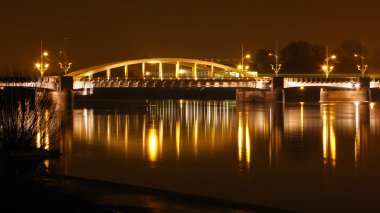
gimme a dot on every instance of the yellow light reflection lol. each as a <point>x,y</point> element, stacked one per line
<point>301,103</point>
<point>178,137</point>
<point>38,140</point>
<point>325,138</point>
<point>195,131</point>
<point>108,130</point>
<point>47,164</point>
<point>126,133</point>
<point>329,138</point>
<point>153,144</point>
<point>332,142</point>
<point>372,105</point>
<point>47,141</point>
<point>247,144</point>
<point>357,134</point>
<point>240,137</point>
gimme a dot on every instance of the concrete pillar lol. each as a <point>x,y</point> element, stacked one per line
<point>108,74</point>
<point>143,69</point>
<point>211,74</point>
<point>277,83</point>
<point>64,97</point>
<point>365,87</point>
<point>160,71</point>
<point>364,82</point>
<point>126,71</point>
<point>277,89</point>
<point>195,71</point>
<point>177,70</point>
<point>66,83</point>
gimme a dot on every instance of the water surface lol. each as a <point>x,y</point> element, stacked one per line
<point>305,157</point>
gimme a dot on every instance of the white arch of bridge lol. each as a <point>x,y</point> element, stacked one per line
<point>194,63</point>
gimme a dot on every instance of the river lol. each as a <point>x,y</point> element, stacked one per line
<point>296,156</point>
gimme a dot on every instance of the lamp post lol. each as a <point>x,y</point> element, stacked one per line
<point>242,66</point>
<point>42,66</point>
<point>326,67</point>
<point>276,68</point>
<point>65,66</point>
<point>363,67</point>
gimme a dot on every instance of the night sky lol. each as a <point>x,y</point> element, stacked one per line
<point>106,31</point>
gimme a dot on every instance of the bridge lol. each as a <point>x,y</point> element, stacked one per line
<point>193,73</point>
<point>163,68</point>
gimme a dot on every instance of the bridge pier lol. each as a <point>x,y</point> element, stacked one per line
<point>275,94</point>
<point>360,94</point>
<point>64,96</point>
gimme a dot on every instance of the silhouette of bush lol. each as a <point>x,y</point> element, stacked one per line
<point>28,119</point>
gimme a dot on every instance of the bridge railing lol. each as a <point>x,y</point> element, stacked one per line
<point>233,83</point>
<point>44,85</point>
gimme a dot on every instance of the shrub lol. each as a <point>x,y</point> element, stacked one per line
<point>28,119</point>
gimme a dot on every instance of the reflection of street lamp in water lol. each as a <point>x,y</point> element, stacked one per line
<point>326,68</point>
<point>42,66</point>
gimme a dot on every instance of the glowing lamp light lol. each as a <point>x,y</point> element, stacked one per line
<point>372,105</point>
<point>181,71</point>
<point>333,57</point>
<point>45,53</point>
<point>38,65</point>
<point>240,67</point>
<point>248,56</point>
<point>324,67</point>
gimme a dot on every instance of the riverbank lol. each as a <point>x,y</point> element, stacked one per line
<point>58,193</point>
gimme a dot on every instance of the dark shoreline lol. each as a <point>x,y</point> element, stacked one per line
<point>48,192</point>
<point>127,198</point>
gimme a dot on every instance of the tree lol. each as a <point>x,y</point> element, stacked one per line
<point>346,62</point>
<point>374,61</point>
<point>262,61</point>
<point>302,57</point>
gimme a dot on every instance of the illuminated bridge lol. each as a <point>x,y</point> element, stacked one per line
<point>161,68</point>
<point>185,73</point>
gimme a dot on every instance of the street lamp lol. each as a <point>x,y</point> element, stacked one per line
<point>326,68</point>
<point>242,66</point>
<point>276,68</point>
<point>42,66</point>
<point>65,66</point>
<point>363,67</point>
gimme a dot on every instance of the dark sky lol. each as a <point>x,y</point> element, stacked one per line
<point>112,30</point>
